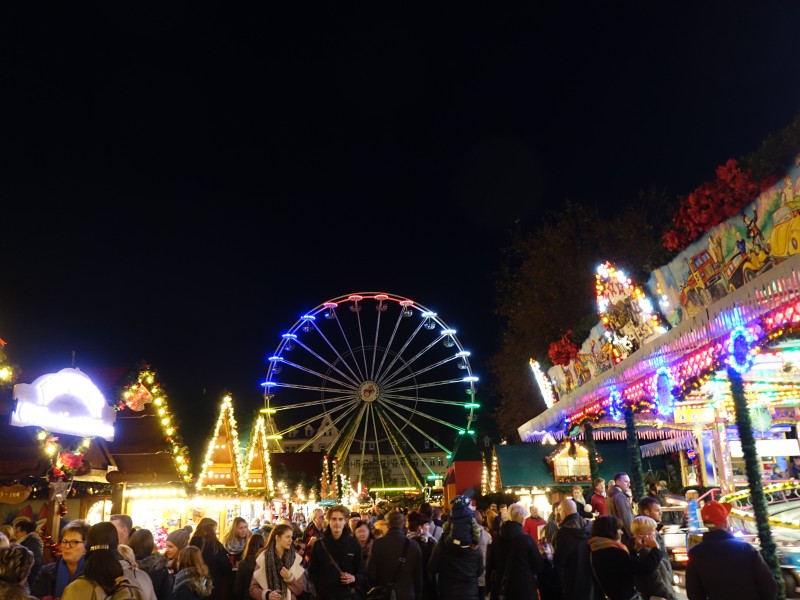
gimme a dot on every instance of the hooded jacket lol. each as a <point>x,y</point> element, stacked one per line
<point>9,591</point>
<point>155,565</point>
<point>516,553</point>
<point>190,585</point>
<point>456,570</point>
<point>571,558</point>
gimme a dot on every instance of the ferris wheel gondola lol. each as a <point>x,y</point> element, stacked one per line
<point>378,381</point>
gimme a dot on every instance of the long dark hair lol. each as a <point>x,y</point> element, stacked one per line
<point>606,526</point>
<point>255,543</point>
<point>142,543</point>
<point>101,564</point>
<point>206,531</point>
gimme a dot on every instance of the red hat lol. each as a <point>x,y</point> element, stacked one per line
<point>716,513</point>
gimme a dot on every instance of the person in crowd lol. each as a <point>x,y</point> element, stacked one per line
<point>192,581</point>
<point>502,517</point>
<point>483,547</point>
<point>419,530</point>
<point>532,524</point>
<point>215,558</point>
<point>618,504</point>
<point>16,562</point>
<point>659,582</point>
<point>335,566</point>
<point>598,497</point>
<point>489,518</point>
<point>380,528</point>
<point>514,560</point>
<point>456,571</point>
<point>8,531</point>
<point>25,534</point>
<point>54,577</point>
<point>244,572</point>
<point>551,526</point>
<point>317,525</point>
<point>4,541</point>
<point>571,554</point>
<point>236,538</point>
<point>124,525</point>
<point>105,572</point>
<point>384,566</point>
<point>722,566</point>
<point>354,518</point>
<point>278,568</point>
<point>583,506</point>
<point>364,538</point>
<point>777,473</point>
<point>613,564</point>
<point>435,516</point>
<point>461,529</point>
<point>177,540</point>
<point>650,507</point>
<point>794,468</point>
<point>151,562</point>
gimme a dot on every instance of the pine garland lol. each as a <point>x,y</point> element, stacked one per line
<point>751,460</point>
<point>637,474</point>
<point>588,439</point>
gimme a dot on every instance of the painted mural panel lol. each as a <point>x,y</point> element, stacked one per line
<point>732,253</point>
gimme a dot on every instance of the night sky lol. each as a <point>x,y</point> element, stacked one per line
<point>181,184</point>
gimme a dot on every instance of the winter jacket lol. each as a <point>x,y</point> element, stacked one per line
<point>244,575</point>
<point>722,567</point>
<point>219,567</point>
<point>531,526</point>
<point>155,565</point>
<point>34,543</point>
<point>259,582</point>
<point>456,571</point>
<point>614,570</point>
<point>138,579</point>
<point>10,591</point>
<point>45,583</point>
<point>571,559</point>
<point>191,585</point>
<point>517,553</point>
<point>619,504</point>
<point>382,567</point>
<point>346,552</point>
<point>428,581</point>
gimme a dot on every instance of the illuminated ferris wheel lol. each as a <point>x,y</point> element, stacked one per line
<point>374,380</point>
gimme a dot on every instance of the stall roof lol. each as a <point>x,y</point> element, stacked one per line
<point>749,302</point>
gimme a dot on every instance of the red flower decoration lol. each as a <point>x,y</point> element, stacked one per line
<point>563,351</point>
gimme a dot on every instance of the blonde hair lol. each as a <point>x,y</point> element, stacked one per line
<point>642,525</point>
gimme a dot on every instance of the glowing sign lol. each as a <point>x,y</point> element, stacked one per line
<point>64,402</point>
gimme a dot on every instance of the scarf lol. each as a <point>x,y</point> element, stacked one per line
<point>273,564</point>
<point>602,543</point>
<point>235,545</point>
<point>62,575</point>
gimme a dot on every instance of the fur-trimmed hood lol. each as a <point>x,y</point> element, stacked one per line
<point>152,563</point>
<point>194,580</point>
<point>14,592</point>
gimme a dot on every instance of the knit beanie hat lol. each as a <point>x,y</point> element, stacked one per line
<point>180,537</point>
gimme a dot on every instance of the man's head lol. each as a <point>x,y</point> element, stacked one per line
<point>337,519</point>
<point>318,518</point>
<point>796,460</point>
<point>566,508</point>
<point>623,482</point>
<point>124,524</point>
<point>397,520</point>
<point>715,514</point>
<point>23,528</point>
<point>354,518</point>
<point>517,512</point>
<point>599,486</point>
<point>650,507</point>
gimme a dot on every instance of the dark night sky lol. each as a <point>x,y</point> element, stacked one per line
<point>180,184</point>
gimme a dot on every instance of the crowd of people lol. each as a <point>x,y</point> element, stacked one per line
<point>595,547</point>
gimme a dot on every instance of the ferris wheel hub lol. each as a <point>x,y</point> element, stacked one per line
<point>369,391</point>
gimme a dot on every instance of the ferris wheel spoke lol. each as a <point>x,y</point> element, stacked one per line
<point>341,448</point>
<point>310,420</point>
<point>410,445</point>
<point>353,380</point>
<point>331,400</point>
<point>377,442</point>
<point>388,345</point>
<point>422,399</point>
<point>350,348</point>
<point>426,385</point>
<point>407,376</point>
<point>407,363</point>
<point>322,430</point>
<point>422,414</point>
<point>363,347</point>
<point>311,388</point>
<point>408,422</point>
<point>338,354</point>
<point>375,342</point>
<point>365,423</point>
<point>402,457</point>
<point>399,353</point>
<point>316,373</point>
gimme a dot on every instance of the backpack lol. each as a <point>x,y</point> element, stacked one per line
<point>124,591</point>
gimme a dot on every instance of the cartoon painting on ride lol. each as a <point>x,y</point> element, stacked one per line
<point>732,253</point>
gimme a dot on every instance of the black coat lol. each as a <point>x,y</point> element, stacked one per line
<point>244,573</point>
<point>33,543</point>
<point>346,552</point>
<point>428,582</point>
<point>723,567</point>
<point>571,558</point>
<point>155,565</point>
<point>515,551</point>
<point>219,567</point>
<point>456,570</point>
<point>615,569</point>
<point>384,560</point>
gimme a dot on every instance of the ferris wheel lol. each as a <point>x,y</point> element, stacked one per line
<point>377,382</point>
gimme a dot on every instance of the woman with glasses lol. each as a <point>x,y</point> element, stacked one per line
<point>54,577</point>
<point>613,564</point>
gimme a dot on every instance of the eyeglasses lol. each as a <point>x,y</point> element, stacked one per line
<point>70,543</point>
